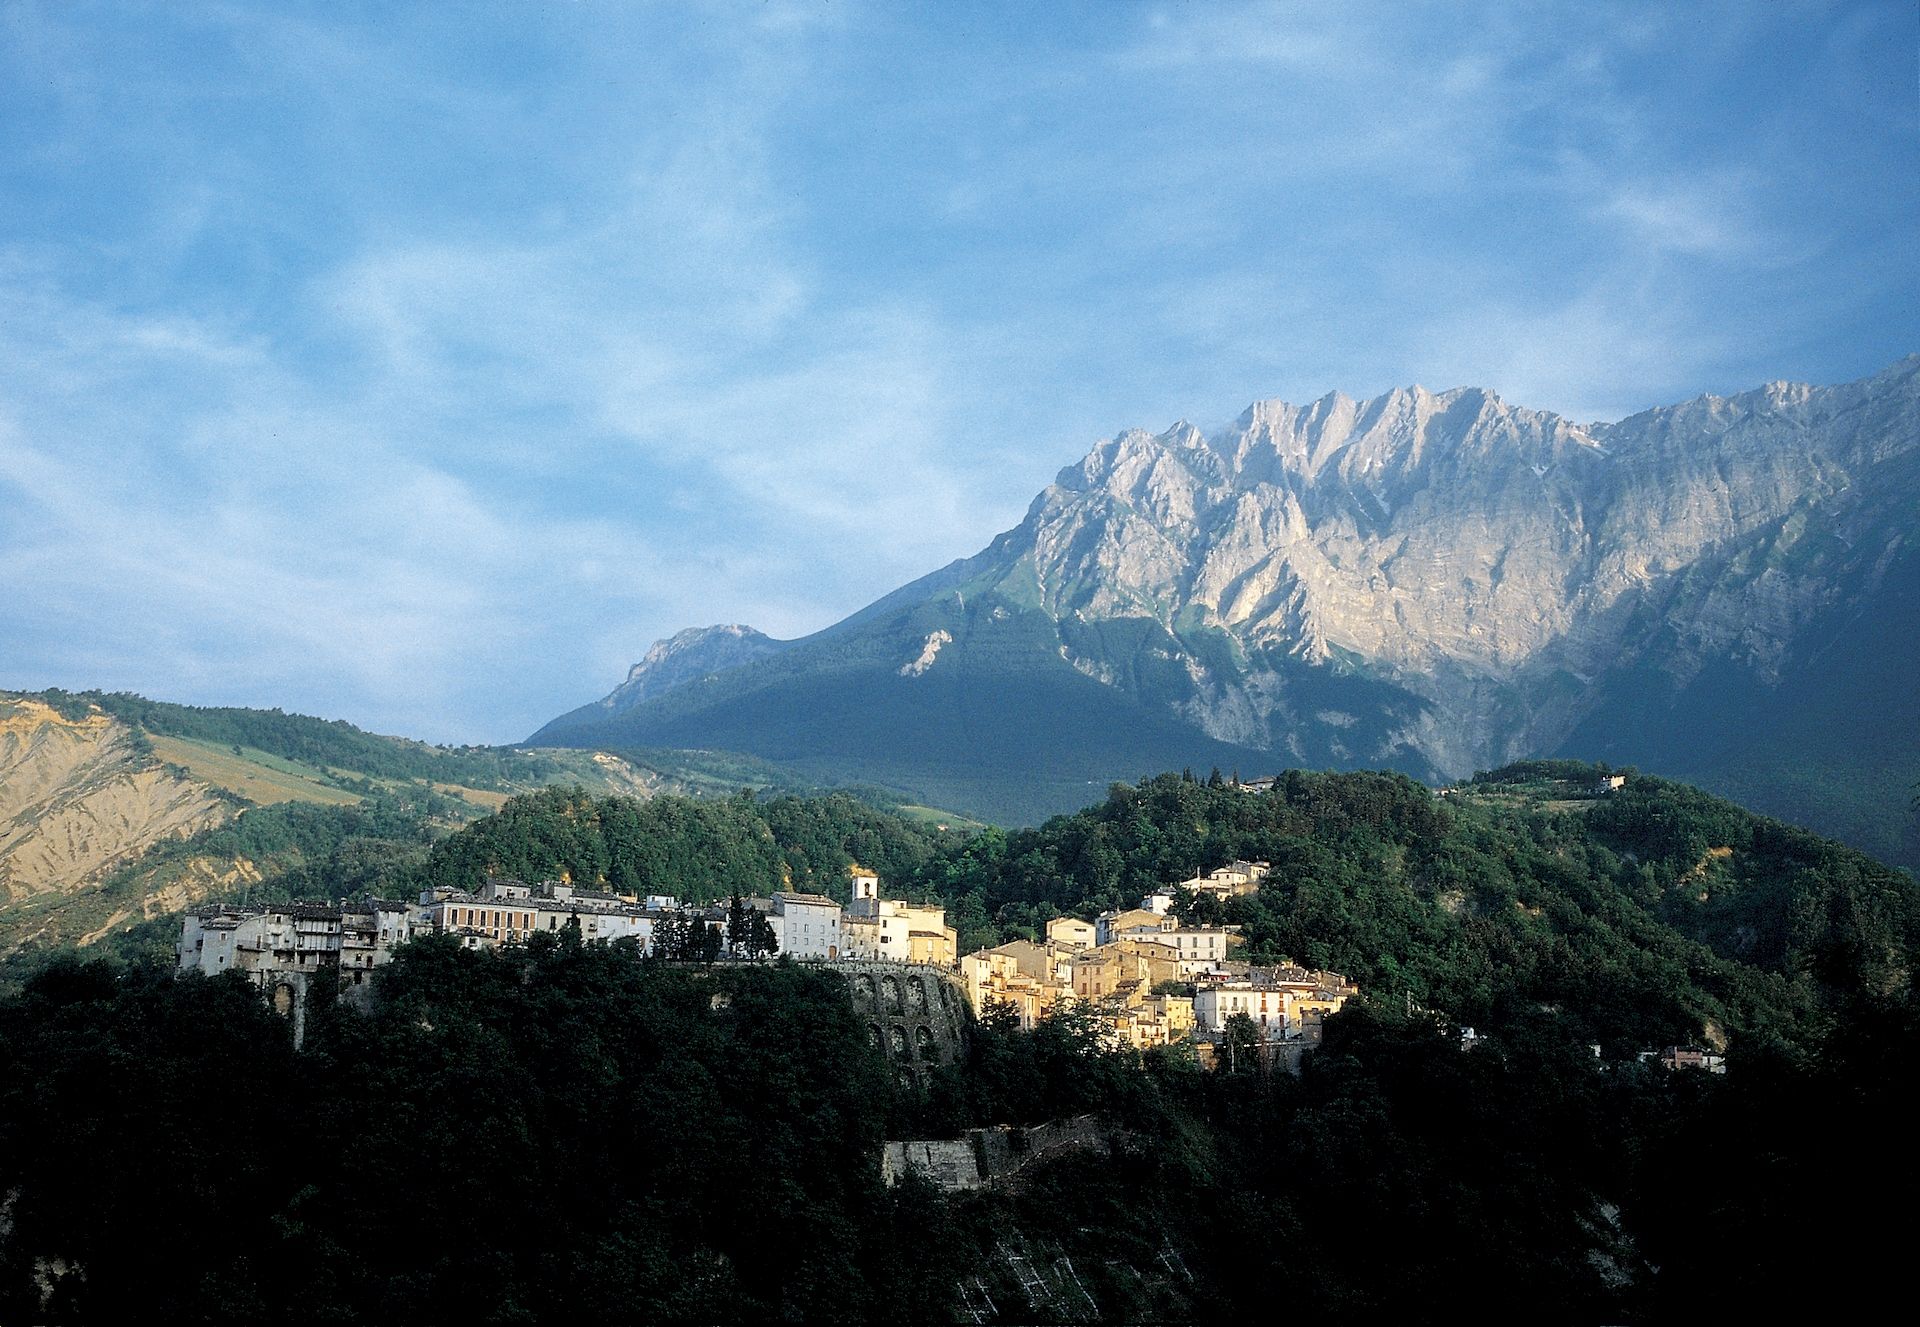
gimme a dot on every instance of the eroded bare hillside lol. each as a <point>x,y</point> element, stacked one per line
<point>102,797</point>
<point>81,796</point>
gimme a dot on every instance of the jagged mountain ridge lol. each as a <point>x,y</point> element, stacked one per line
<point>1436,582</point>
<point>1460,547</point>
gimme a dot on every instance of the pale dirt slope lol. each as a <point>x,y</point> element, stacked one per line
<point>83,798</point>
<point>78,798</point>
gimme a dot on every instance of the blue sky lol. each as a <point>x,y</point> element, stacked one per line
<point>420,365</point>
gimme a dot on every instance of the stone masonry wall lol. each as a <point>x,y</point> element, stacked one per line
<point>915,1013</point>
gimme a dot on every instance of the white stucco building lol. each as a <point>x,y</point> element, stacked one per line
<point>1284,1002</point>
<point>806,925</point>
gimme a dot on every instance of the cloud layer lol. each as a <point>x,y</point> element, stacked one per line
<point>422,370</point>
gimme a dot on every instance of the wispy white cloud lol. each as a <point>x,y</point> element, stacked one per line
<point>356,529</point>
<point>1273,35</point>
<point>425,371</point>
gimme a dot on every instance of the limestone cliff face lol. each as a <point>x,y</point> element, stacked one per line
<point>78,798</point>
<point>1434,583</point>
<point>1490,559</point>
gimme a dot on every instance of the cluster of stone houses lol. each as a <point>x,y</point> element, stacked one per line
<point>276,941</point>
<point>1229,881</point>
<point>264,940</point>
<point>1156,981</point>
<point>1152,979</point>
<point>281,947</point>
<point>295,939</point>
<point>868,927</point>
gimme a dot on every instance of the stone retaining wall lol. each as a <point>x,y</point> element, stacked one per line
<point>915,1014</point>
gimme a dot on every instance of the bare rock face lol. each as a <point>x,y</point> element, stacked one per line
<point>688,656</point>
<point>1490,559</point>
<point>1432,583</point>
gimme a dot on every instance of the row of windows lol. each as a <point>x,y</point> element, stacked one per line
<point>511,922</point>
<point>479,917</point>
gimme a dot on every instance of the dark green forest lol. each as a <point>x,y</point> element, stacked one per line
<point>574,1133</point>
<point>1658,914</point>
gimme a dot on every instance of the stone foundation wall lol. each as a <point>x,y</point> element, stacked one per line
<point>915,1014</point>
<point>984,1156</point>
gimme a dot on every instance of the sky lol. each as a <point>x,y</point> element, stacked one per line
<point>420,365</point>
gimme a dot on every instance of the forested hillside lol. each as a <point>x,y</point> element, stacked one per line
<point>695,849</point>
<point>1651,915</point>
<point>575,1134</point>
<point>1657,911</point>
<point>566,1132</point>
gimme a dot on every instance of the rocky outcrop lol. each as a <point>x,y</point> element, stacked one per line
<point>1490,559</point>
<point>685,657</point>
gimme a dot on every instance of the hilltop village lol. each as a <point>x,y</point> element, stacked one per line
<point>1146,976</point>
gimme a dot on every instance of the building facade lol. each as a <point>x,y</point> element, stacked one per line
<point>1285,1003</point>
<point>1229,881</point>
<point>1071,933</point>
<point>806,925</point>
<point>504,911</point>
<point>893,930</point>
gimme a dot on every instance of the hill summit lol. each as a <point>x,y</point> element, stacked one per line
<point>1429,582</point>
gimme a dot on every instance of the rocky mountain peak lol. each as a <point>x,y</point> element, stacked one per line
<point>1435,581</point>
<point>1453,541</point>
<point>687,656</point>
<point>689,640</point>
